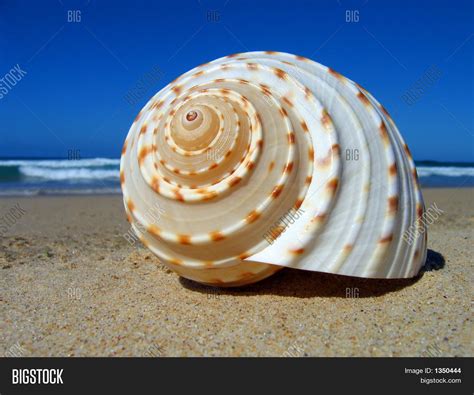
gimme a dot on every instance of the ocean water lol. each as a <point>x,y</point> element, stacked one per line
<point>101,176</point>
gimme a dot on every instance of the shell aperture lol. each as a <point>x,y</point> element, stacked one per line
<point>263,160</point>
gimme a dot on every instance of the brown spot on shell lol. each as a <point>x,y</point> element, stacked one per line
<point>178,195</point>
<point>184,239</point>
<point>177,89</point>
<point>288,101</point>
<point>326,119</point>
<point>308,180</point>
<point>384,110</point>
<point>348,248</point>
<point>333,184</point>
<point>154,230</point>
<point>291,138</point>
<point>307,92</point>
<point>320,218</point>
<point>157,104</point>
<point>143,154</point>
<point>419,211</point>
<point>335,74</point>
<point>124,148</point>
<point>298,203</point>
<point>155,184</point>
<point>130,205</point>
<point>250,165</point>
<point>363,99</point>
<point>265,89</point>
<point>415,175</point>
<point>271,52</point>
<point>271,166</point>
<point>252,66</point>
<point>297,251</point>
<point>213,166</point>
<point>244,255</point>
<point>143,128</point>
<point>392,170</point>
<point>283,112</point>
<point>280,73</point>
<point>277,191</point>
<point>386,239</point>
<point>260,144</point>
<point>393,204</point>
<point>288,167</point>
<point>234,181</point>
<point>175,261</point>
<point>383,132</point>
<point>138,117</point>
<point>407,151</point>
<point>122,177</point>
<point>311,154</point>
<point>198,73</point>
<point>216,236</point>
<point>304,126</point>
<point>252,216</point>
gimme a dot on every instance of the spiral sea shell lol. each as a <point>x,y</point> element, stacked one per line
<point>262,160</point>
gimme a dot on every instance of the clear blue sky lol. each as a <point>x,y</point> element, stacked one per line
<point>72,96</point>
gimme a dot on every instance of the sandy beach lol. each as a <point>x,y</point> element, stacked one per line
<point>71,285</point>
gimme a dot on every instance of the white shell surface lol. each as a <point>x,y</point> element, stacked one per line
<point>264,160</point>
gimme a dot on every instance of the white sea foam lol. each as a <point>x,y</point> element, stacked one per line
<point>52,191</point>
<point>445,171</point>
<point>108,169</point>
<point>59,174</point>
<point>62,163</point>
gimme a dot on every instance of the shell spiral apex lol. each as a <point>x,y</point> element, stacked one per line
<point>263,160</point>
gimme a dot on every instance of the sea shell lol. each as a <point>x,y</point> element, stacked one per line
<point>263,160</point>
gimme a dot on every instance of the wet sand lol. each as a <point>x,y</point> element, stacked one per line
<point>71,285</point>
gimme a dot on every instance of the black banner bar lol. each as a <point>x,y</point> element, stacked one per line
<point>217,375</point>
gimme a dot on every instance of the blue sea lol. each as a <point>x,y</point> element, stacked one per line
<point>101,176</point>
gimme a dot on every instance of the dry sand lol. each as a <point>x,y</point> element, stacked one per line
<point>71,285</point>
